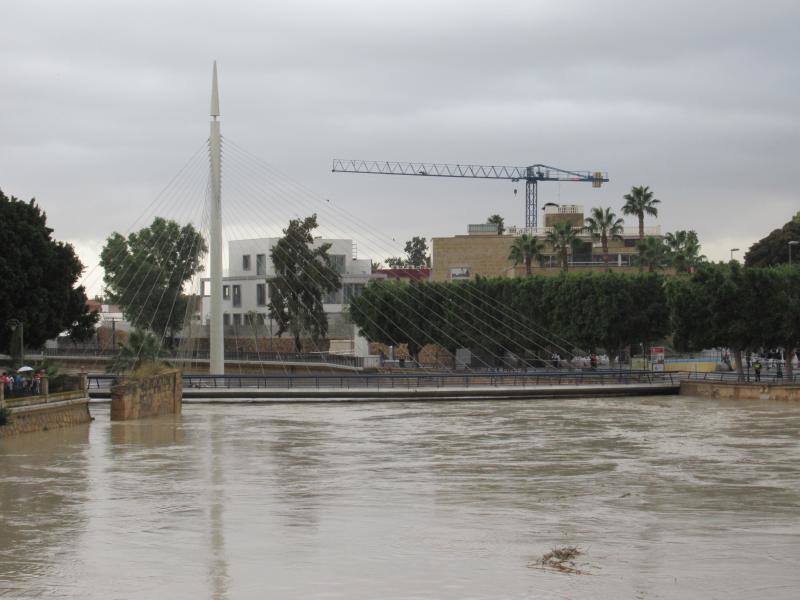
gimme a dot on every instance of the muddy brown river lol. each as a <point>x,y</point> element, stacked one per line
<point>667,497</point>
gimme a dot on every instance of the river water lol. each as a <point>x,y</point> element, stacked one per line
<point>668,497</point>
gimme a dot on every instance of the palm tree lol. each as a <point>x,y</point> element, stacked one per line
<point>141,348</point>
<point>639,202</point>
<point>563,237</point>
<point>604,224</point>
<point>652,254</point>
<point>525,249</point>
<point>499,221</point>
<point>684,250</point>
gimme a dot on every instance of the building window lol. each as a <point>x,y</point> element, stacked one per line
<point>332,297</point>
<point>631,242</point>
<point>261,294</point>
<point>237,319</point>
<point>226,319</point>
<point>245,262</point>
<point>261,264</point>
<point>338,262</point>
<point>459,272</point>
<point>237,295</point>
<point>261,318</point>
<point>351,290</point>
<point>226,292</point>
<point>205,288</point>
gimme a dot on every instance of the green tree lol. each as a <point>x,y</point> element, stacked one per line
<point>639,202</point>
<point>142,348</point>
<point>303,275</point>
<point>683,250</point>
<point>652,254</point>
<point>563,238</point>
<point>395,262</point>
<point>715,308</point>
<point>417,251</point>
<point>37,279</point>
<point>603,224</point>
<point>499,221</point>
<point>774,248</point>
<point>145,273</point>
<point>525,249</point>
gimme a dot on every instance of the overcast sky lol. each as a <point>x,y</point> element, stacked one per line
<point>102,102</point>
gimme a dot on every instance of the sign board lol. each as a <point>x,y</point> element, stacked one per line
<point>657,358</point>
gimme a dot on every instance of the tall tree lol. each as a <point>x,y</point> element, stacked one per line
<point>525,249</point>
<point>652,254</point>
<point>563,238</point>
<point>145,274</point>
<point>603,224</point>
<point>683,249</point>
<point>417,251</point>
<point>303,274</point>
<point>774,248</point>
<point>37,278</point>
<point>639,202</point>
<point>499,221</point>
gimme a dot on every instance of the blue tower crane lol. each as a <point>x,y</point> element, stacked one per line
<point>531,175</point>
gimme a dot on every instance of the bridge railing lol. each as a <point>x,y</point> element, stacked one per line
<point>342,360</point>
<point>411,380</point>
<point>767,376</point>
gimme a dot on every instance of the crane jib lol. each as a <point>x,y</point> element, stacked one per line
<point>530,174</point>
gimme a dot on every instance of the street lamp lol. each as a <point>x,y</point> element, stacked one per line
<point>13,324</point>
<point>792,243</point>
<point>732,251</point>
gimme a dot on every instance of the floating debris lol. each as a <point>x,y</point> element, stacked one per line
<point>561,559</point>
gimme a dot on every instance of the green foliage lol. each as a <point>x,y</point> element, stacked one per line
<point>37,278</point>
<point>603,225</point>
<point>774,248</point>
<point>145,273</point>
<point>563,238</point>
<point>524,250</point>
<point>303,275</point>
<point>417,252</point>
<point>592,310</point>
<point>683,249</point>
<point>499,221</point>
<point>653,254</point>
<point>395,262</point>
<point>142,348</point>
<point>641,201</point>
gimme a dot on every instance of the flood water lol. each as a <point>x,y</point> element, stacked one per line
<point>668,497</point>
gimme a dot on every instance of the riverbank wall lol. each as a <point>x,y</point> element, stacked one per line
<point>740,391</point>
<point>151,396</point>
<point>42,413</point>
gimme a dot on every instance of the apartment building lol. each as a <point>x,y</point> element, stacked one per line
<point>483,252</point>
<point>245,287</point>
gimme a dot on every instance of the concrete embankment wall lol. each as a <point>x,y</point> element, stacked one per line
<point>740,391</point>
<point>147,397</point>
<point>37,414</point>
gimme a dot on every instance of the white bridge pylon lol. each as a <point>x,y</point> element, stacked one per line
<point>216,333</point>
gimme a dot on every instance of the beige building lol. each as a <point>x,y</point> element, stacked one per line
<point>483,252</point>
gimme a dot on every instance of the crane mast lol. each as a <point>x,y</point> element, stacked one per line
<point>531,175</point>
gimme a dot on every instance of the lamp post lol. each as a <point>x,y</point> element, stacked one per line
<point>13,324</point>
<point>792,243</point>
<point>732,251</point>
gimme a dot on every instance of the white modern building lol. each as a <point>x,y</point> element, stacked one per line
<point>245,287</point>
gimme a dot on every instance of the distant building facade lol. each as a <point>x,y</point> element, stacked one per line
<point>483,252</point>
<point>245,287</point>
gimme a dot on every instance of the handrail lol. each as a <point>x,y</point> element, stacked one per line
<point>413,379</point>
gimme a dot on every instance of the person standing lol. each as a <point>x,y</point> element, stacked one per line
<point>757,368</point>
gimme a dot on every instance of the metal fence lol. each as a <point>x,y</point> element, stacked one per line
<point>412,380</point>
<point>342,360</point>
<point>767,376</point>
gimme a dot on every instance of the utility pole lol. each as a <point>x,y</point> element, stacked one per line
<point>216,333</point>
